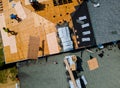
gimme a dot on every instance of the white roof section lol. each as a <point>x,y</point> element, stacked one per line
<point>66,41</point>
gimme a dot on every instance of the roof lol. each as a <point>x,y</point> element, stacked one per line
<point>105,21</point>
<point>45,75</point>
<point>32,39</point>
<point>106,75</point>
<point>83,27</point>
<point>48,75</point>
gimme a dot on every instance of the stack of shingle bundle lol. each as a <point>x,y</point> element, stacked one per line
<point>1,6</point>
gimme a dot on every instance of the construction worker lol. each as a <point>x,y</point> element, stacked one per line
<point>13,16</point>
<point>8,31</point>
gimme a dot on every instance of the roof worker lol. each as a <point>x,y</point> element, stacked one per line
<point>13,16</point>
<point>9,31</point>
<point>6,30</point>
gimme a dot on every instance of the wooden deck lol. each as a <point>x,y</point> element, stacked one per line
<point>31,40</point>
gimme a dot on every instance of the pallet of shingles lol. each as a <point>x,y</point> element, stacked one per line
<point>0,2</point>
